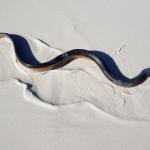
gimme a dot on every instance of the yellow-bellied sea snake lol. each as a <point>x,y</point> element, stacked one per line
<point>71,55</point>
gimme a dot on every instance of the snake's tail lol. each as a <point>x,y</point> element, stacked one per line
<point>2,35</point>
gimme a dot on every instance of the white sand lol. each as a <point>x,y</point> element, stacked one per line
<point>75,107</point>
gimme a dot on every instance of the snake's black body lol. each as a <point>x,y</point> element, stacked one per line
<point>71,55</point>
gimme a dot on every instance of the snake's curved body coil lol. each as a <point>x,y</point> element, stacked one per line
<point>71,55</point>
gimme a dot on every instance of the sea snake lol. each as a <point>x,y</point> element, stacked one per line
<point>71,55</point>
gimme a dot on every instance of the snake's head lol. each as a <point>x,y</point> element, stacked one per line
<point>147,71</point>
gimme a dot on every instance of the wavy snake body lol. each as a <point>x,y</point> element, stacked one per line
<point>71,55</point>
